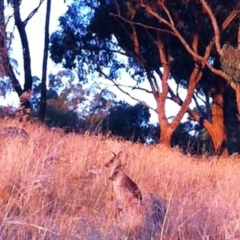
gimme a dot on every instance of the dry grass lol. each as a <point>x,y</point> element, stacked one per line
<point>54,186</point>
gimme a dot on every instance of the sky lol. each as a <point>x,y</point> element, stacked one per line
<point>35,33</point>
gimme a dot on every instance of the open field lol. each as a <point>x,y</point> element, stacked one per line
<point>54,186</point>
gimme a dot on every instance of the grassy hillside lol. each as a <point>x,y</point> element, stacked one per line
<point>54,186</point>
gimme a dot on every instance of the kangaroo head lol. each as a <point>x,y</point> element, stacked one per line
<point>114,162</point>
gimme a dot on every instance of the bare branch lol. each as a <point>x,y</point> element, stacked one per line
<point>199,107</point>
<point>177,34</point>
<point>202,60</point>
<point>118,51</point>
<point>8,19</point>
<point>11,37</point>
<point>167,12</point>
<point>141,89</point>
<point>135,88</point>
<point>125,92</point>
<point>153,87</point>
<point>129,95</point>
<point>33,13</point>
<point>141,24</point>
<point>198,96</point>
<point>229,19</point>
<point>215,26</point>
<point>155,80</point>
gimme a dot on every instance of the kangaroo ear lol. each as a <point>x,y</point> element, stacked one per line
<point>114,154</point>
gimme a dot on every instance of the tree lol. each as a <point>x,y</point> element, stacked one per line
<point>25,93</point>
<point>185,38</point>
<point>21,26</point>
<point>5,65</point>
<point>44,67</point>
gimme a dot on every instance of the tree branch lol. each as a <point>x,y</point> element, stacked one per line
<point>193,81</point>
<point>141,89</point>
<point>203,114</point>
<point>126,93</point>
<point>129,95</point>
<point>134,88</point>
<point>197,95</point>
<point>141,24</point>
<point>154,91</point>
<point>192,113</point>
<point>8,19</point>
<point>175,32</point>
<point>215,26</point>
<point>33,12</point>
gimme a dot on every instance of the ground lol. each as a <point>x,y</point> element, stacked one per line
<point>55,186</point>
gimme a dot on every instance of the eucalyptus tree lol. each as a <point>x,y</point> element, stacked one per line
<point>161,40</point>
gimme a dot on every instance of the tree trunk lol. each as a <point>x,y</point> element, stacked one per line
<point>166,134</point>
<point>44,67</point>
<point>231,120</point>
<point>166,129</point>
<point>5,66</point>
<point>25,108</point>
<point>237,91</point>
<point>3,43</point>
<point>25,46</point>
<point>217,130</point>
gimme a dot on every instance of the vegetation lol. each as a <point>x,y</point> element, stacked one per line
<point>55,186</point>
<point>195,44</point>
<point>53,181</point>
<point>161,40</point>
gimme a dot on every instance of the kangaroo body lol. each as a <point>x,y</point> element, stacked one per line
<point>125,185</point>
<point>125,189</point>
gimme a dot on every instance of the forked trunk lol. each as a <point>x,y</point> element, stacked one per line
<point>166,133</point>
<point>166,129</point>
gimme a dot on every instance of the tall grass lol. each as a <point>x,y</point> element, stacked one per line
<point>54,186</point>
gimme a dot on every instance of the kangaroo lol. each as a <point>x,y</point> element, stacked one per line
<point>122,181</point>
<point>125,189</point>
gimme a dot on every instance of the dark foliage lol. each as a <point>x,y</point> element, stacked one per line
<point>76,44</point>
<point>192,139</point>
<point>129,122</point>
<point>58,118</point>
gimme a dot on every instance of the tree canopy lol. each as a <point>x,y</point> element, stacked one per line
<point>156,41</point>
